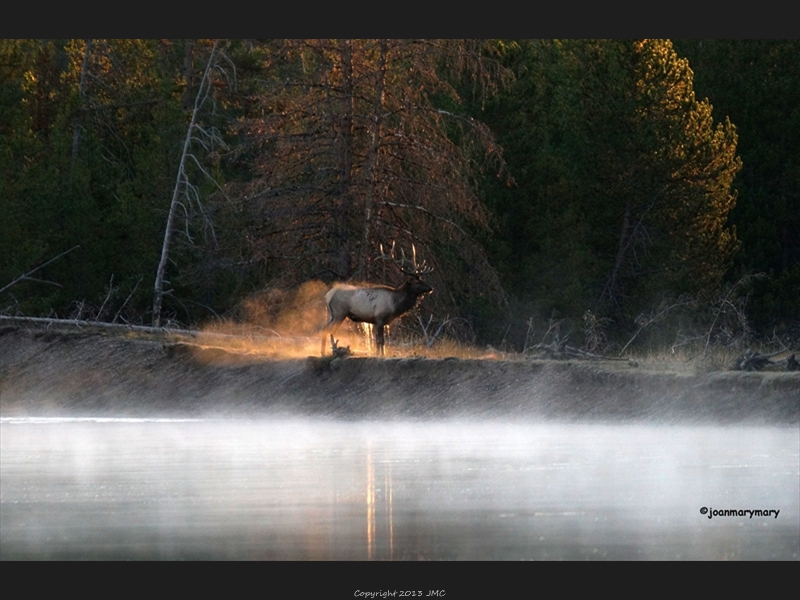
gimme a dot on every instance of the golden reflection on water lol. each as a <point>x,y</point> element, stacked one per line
<point>377,499</point>
<point>370,505</point>
<point>391,512</point>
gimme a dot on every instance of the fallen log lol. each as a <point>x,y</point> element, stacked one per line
<point>191,335</point>
<point>753,361</point>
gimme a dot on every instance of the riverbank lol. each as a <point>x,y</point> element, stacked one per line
<point>81,373</point>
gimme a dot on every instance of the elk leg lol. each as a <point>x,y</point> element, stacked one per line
<point>379,339</point>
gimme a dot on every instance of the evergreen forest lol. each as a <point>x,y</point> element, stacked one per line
<point>630,194</point>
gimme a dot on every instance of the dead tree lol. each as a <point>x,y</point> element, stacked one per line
<point>184,191</point>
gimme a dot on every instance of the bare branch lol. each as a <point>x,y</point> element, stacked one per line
<point>656,315</point>
<point>114,320</point>
<point>27,275</point>
<point>108,296</point>
<point>426,211</point>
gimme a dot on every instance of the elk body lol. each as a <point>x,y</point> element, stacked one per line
<point>378,305</point>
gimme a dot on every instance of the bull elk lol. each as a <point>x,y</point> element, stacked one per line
<point>378,305</point>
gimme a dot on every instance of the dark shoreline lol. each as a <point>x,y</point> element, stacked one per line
<point>45,372</point>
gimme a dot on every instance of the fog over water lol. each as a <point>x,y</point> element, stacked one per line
<point>303,488</point>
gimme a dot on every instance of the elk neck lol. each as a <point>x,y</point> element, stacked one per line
<point>408,293</point>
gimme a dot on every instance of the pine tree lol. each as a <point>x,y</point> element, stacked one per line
<point>623,177</point>
<point>755,83</point>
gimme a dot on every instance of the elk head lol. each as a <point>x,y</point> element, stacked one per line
<point>411,268</point>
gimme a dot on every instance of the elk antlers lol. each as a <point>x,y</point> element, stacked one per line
<point>409,267</point>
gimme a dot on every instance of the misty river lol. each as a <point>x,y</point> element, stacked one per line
<point>315,489</point>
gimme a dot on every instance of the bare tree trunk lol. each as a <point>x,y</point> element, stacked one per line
<point>188,71</point>
<point>610,291</point>
<point>76,125</point>
<point>344,258</point>
<point>202,93</point>
<point>371,170</point>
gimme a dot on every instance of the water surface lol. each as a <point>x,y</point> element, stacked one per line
<point>319,490</point>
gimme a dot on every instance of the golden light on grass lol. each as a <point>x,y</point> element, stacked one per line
<point>284,325</point>
<point>243,343</point>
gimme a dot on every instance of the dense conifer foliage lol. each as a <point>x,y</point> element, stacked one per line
<point>623,178</point>
<point>756,84</point>
<point>540,178</point>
